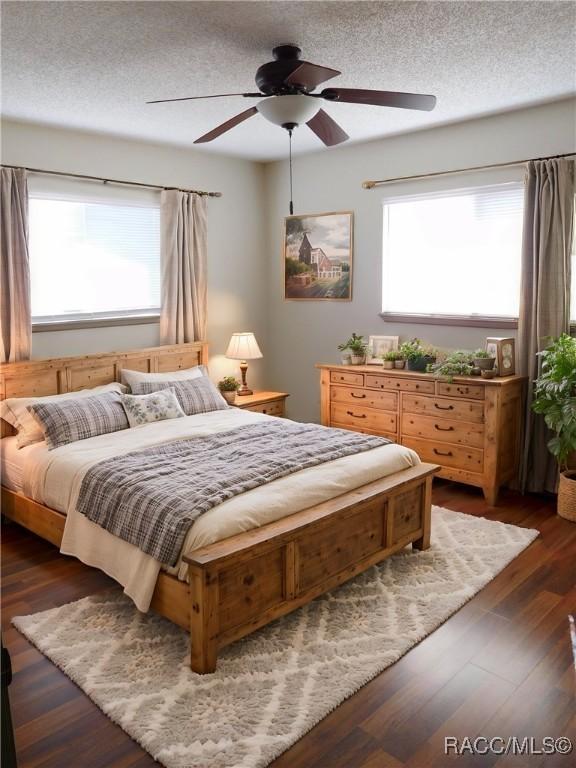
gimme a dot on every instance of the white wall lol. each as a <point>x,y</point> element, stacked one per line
<point>302,333</point>
<point>236,248</point>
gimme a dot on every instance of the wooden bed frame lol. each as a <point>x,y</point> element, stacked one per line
<point>246,581</point>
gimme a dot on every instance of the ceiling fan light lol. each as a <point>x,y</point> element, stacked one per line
<point>282,110</point>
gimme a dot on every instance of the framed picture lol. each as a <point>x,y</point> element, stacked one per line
<point>503,349</point>
<point>378,346</point>
<point>317,257</point>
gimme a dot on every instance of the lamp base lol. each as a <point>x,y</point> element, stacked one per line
<point>244,389</point>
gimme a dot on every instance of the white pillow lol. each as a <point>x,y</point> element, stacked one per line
<point>138,377</point>
<point>157,406</point>
<point>15,411</point>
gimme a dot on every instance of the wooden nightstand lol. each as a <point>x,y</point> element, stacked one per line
<point>272,403</point>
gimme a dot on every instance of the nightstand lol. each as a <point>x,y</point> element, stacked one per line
<point>272,403</point>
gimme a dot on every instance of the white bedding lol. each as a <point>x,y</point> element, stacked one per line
<point>54,478</point>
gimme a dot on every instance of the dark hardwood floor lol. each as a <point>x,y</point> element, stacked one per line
<point>502,666</point>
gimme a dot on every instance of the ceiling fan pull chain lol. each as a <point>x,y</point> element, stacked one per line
<point>290,164</point>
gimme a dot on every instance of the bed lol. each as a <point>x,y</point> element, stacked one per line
<point>245,563</point>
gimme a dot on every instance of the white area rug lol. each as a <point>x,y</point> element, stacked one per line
<point>272,687</point>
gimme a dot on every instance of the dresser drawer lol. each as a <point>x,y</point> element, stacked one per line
<point>366,431</point>
<point>456,456</point>
<point>402,385</point>
<point>462,410</point>
<point>386,401</point>
<point>273,408</point>
<point>343,377</point>
<point>472,391</point>
<point>443,430</point>
<point>360,416</point>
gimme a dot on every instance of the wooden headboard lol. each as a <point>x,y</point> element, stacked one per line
<point>37,378</point>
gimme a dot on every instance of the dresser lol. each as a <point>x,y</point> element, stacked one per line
<point>470,427</point>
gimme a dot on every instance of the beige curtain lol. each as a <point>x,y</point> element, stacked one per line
<point>184,265</point>
<point>544,298</point>
<point>15,312</point>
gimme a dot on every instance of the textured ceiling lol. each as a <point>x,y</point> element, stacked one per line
<point>92,65</point>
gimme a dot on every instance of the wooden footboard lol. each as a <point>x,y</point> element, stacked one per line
<point>242,583</point>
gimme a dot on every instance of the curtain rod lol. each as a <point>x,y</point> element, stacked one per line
<point>112,181</point>
<point>372,184</point>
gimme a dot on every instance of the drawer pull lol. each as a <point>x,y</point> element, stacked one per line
<point>444,407</point>
<point>442,453</point>
<point>443,429</point>
<point>358,397</point>
<point>356,415</point>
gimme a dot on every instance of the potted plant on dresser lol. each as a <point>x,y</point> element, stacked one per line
<point>555,398</point>
<point>389,359</point>
<point>228,387</point>
<point>358,347</point>
<point>418,357</point>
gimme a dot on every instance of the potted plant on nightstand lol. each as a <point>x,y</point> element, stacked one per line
<point>228,387</point>
<point>417,356</point>
<point>555,398</point>
<point>357,347</point>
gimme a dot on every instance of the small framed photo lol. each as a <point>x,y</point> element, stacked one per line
<point>503,349</point>
<point>378,346</point>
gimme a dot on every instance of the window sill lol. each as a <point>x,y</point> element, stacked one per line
<point>466,321</point>
<point>100,322</point>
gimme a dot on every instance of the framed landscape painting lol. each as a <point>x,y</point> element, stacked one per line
<point>317,257</point>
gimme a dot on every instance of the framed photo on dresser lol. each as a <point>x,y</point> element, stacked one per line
<point>317,257</point>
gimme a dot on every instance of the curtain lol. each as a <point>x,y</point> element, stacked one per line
<point>184,265</point>
<point>544,299</point>
<point>15,312</point>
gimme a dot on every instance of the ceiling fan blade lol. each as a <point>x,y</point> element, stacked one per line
<point>380,98</point>
<point>309,75</point>
<point>214,96</point>
<point>327,129</point>
<point>234,121</point>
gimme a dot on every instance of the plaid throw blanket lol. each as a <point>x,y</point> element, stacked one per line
<point>151,497</point>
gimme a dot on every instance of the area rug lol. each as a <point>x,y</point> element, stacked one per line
<point>274,686</point>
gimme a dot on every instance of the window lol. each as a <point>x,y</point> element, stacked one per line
<point>94,254</point>
<point>454,254</point>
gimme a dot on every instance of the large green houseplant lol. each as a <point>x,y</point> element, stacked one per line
<point>555,399</point>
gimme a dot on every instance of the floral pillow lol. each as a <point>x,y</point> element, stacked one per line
<point>157,406</point>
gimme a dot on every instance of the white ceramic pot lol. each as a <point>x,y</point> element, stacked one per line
<point>230,397</point>
<point>388,364</point>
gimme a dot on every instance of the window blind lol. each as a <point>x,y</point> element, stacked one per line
<point>94,251</point>
<point>454,252</point>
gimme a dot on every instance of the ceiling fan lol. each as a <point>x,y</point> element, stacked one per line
<point>287,99</point>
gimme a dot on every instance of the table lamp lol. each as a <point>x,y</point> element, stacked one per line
<point>243,346</point>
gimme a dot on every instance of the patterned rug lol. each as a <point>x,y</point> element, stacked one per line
<point>274,686</point>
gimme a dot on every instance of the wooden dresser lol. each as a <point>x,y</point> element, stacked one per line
<point>471,427</point>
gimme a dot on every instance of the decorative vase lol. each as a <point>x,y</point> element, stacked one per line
<point>388,364</point>
<point>399,363</point>
<point>567,495</point>
<point>484,363</point>
<point>358,359</point>
<point>230,397</point>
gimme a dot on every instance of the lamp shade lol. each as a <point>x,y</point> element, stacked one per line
<point>243,346</point>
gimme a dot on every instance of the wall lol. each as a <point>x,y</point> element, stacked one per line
<point>302,333</point>
<point>236,249</point>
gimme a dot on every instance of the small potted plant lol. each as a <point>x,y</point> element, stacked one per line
<point>417,356</point>
<point>399,362</point>
<point>389,359</point>
<point>457,363</point>
<point>483,360</point>
<point>345,353</point>
<point>555,398</point>
<point>357,347</point>
<point>228,386</point>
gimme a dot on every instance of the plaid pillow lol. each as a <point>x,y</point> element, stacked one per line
<point>194,395</point>
<point>68,421</point>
